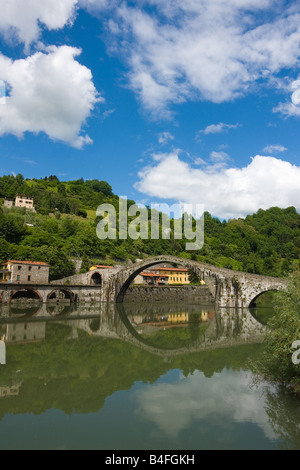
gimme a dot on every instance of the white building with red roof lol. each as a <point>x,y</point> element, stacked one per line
<point>25,272</point>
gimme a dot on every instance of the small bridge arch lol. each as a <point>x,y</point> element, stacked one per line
<point>96,279</point>
<point>60,294</point>
<point>25,293</point>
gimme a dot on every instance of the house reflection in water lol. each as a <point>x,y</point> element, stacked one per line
<point>164,320</point>
<point>12,391</point>
<point>18,333</point>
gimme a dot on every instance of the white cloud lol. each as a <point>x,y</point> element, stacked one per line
<point>48,92</point>
<point>165,138</point>
<point>291,108</point>
<point>274,149</point>
<point>225,192</point>
<point>23,19</point>
<point>217,128</point>
<point>95,6</point>
<point>219,160</point>
<point>106,114</point>
<point>209,50</point>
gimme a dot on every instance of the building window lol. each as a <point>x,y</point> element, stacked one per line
<point>30,268</point>
<point>29,278</point>
<point>19,268</point>
<point>18,278</point>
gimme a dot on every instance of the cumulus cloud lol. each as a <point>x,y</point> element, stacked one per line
<point>48,92</point>
<point>94,6</point>
<point>208,50</point>
<point>23,19</point>
<point>225,192</point>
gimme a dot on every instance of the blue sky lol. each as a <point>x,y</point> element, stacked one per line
<point>195,101</point>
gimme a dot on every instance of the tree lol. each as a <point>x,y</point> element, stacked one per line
<point>193,277</point>
<point>86,264</point>
<point>277,362</point>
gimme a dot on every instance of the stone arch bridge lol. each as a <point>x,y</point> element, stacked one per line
<point>229,288</point>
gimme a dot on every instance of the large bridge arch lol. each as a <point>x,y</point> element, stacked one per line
<point>125,277</point>
<point>231,289</point>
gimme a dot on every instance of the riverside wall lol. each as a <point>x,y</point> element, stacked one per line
<point>197,294</point>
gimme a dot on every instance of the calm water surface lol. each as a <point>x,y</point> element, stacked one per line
<point>173,377</point>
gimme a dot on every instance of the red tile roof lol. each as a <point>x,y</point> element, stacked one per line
<point>34,263</point>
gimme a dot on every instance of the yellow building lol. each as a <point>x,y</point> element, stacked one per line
<point>174,275</point>
<point>24,201</point>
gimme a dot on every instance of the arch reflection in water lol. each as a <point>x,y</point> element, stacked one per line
<point>21,311</point>
<point>162,329</point>
<point>189,327</point>
<point>60,310</point>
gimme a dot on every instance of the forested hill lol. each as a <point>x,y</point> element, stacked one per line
<point>64,228</point>
<point>71,197</point>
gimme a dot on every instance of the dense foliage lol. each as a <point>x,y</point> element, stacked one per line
<point>64,228</point>
<point>277,362</point>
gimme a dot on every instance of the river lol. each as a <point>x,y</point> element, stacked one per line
<point>131,377</point>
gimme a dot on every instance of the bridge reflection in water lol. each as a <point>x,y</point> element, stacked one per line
<point>162,329</point>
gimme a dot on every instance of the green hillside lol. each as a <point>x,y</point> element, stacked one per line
<point>64,228</point>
